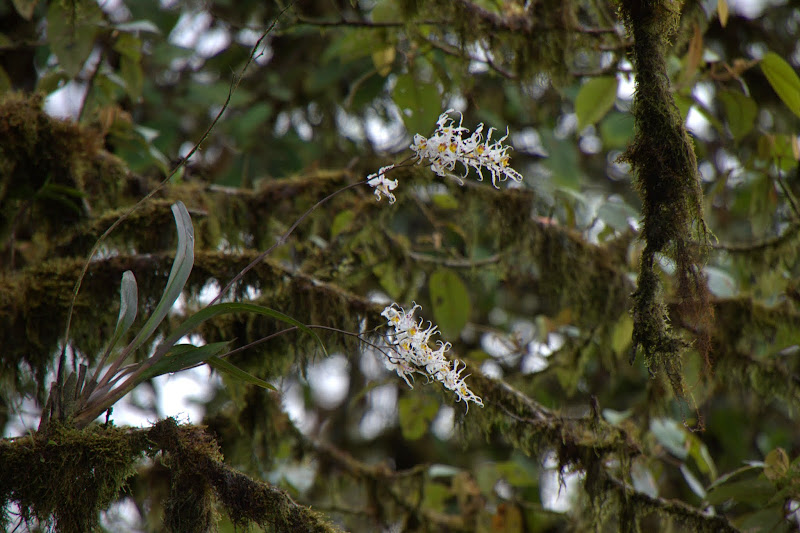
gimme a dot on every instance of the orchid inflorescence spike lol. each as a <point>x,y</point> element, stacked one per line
<point>451,145</point>
<point>382,185</point>
<point>411,353</point>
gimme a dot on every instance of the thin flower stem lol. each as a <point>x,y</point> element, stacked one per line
<point>268,338</point>
<point>257,342</point>
<point>281,240</point>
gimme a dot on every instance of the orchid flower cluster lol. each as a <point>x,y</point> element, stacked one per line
<point>409,341</point>
<point>448,146</point>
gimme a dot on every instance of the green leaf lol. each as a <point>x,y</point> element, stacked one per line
<point>386,11</point>
<point>783,79</point>
<point>136,26</point>
<point>25,8</point>
<point>129,45</point>
<point>517,473</point>
<point>147,134</point>
<point>440,470</point>
<point>349,45</point>
<point>720,283</point>
<point>63,190</point>
<point>616,417</point>
<point>51,81</point>
<point>128,307</point>
<point>702,458</point>
<point>383,60</point>
<point>726,478</point>
<point>245,127</point>
<point>181,357</point>
<point>450,301</point>
<point>616,130</point>
<point>342,222</point>
<point>416,413</point>
<point>419,104</point>
<point>741,112</point>
<point>62,194</point>
<point>562,161</point>
<point>780,149</point>
<point>707,114</point>
<point>5,81</point>
<point>643,479</point>
<point>445,201</point>
<point>621,336</point>
<point>756,491</point>
<point>722,12</point>
<point>776,464</point>
<point>237,307</point>
<point>71,32</point>
<point>131,71</point>
<point>595,98</point>
<point>391,278</point>
<point>684,105</point>
<point>670,435</point>
<point>693,482</point>
<point>616,213</point>
<point>436,496</point>
<point>181,268</point>
<point>223,366</point>
<point>769,520</point>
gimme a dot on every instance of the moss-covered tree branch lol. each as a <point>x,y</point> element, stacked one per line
<point>87,469</point>
<point>663,160</point>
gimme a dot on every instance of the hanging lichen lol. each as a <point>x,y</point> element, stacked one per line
<point>663,160</point>
<point>53,173</point>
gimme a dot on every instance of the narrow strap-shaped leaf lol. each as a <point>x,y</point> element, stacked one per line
<point>128,306</point>
<point>181,268</point>
<point>181,357</point>
<point>225,367</point>
<point>237,307</point>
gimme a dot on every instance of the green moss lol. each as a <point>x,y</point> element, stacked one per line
<point>567,272</point>
<point>67,476</point>
<point>543,36</point>
<point>663,160</point>
<point>199,479</point>
<point>33,305</point>
<point>533,429</point>
<point>747,347</point>
<point>52,174</point>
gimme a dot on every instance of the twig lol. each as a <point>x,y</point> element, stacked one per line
<point>367,23</point>
<point>280,241</point>
<point>455,52</point>
<point>90,84</point>
<point>789,195</point>
<point>454,263</point>
<point>758,246</point>
<point>699,520</point>
<point>525,24</point>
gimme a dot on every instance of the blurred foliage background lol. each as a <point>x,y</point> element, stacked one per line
<point>100,101</point>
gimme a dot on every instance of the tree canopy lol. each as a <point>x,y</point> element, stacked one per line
<point>449,265</point>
